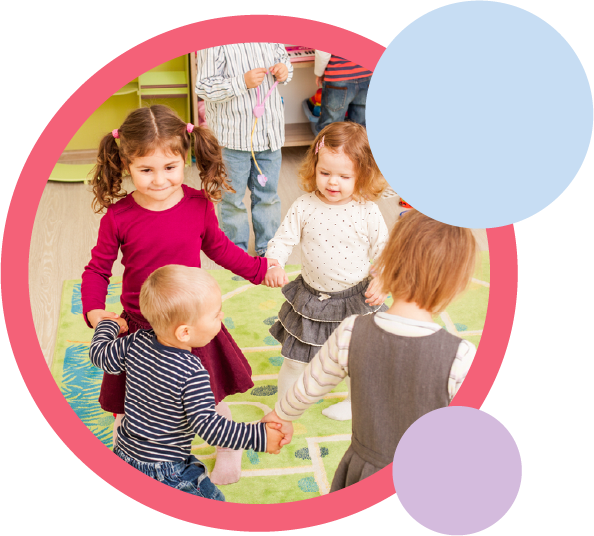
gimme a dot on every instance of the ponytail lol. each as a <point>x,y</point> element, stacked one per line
<point>107,174</point>
<point>209,161</point>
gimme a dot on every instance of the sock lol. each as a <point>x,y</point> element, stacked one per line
<point>227,469</point>
<point>116,425</point>
<point>288,374</point>
<point>342,410</point>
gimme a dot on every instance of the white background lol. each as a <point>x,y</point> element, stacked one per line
<point>543,393</point>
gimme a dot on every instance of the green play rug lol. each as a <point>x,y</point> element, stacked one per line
<point>305,468</point>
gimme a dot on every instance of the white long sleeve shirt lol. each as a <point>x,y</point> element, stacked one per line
<point>337,241</point>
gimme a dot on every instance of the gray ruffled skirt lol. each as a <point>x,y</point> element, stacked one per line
<point>309,316</point>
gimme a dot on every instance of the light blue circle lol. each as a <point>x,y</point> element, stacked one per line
<point>479,114</point>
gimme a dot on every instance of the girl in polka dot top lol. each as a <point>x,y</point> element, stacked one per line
<point>341,231</point>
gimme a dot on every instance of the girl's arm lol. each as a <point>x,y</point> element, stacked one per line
<point>211,84</point>
<point>199,406</point>
<point>460,366</point>
<point>326,370</point>
<point>287,236</point>
<point>377,232</point>
<point>108,352</point>
<point>226,254</point>
<point>95,278</point>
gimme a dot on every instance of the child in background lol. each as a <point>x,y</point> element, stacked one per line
<point>344,89</point>
<point>166,407</point>
<point>162,222</point>
<point>402,365</point>
<point>227,79</point>
<point>340,231</point>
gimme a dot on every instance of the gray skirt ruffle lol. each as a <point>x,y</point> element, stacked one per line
<point>309,317</point>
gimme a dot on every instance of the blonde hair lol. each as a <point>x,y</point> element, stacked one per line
<point>174,295</point>
<point>351,139</point>
<point>427,262</point>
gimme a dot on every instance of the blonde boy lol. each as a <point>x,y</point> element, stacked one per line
<point>168,394</point>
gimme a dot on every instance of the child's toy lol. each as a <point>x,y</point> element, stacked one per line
<point>259,112</point>
<point>403,203</point>
<point>314,103</point>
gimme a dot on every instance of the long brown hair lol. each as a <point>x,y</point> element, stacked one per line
<point>145,130</point>
<point>427,262</point>
<point>350,138</point>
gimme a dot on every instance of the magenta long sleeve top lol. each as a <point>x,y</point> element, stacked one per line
<point>150,239</point>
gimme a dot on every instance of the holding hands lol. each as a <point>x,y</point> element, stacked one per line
<point>374,294</point>
<point>276,277</point>
<point>274,438</point>
<point>285,427</point>
<point>96,315</point>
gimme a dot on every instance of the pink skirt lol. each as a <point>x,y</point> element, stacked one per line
<point>228,368</point>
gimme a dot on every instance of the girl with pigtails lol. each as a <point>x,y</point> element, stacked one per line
<point>162,222</point>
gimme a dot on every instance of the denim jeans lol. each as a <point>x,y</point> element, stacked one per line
<point>338,98</point>
<point>266,206</point>
<point>189,476</point>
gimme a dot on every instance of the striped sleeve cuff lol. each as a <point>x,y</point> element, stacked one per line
<point>238,85</point>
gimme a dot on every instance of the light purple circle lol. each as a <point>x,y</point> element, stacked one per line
<point>457,470</point>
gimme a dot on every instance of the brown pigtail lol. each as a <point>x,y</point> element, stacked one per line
<point>209,161</point>
<point>107,174</point>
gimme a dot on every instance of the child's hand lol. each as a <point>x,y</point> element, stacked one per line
<point>275,277</point>
<point>280,71</point>
<point>254,77</point>
<point>96,315</point>
<point>374,294</point>
<point>319,81</point>
<point>273,437</point>
<point>286,426</point>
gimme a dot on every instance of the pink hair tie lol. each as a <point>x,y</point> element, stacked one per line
<point>115,133</point>
<point>320,144</point>
<point>189,128</point>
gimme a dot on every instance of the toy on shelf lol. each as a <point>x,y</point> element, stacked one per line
<point>315,103</point>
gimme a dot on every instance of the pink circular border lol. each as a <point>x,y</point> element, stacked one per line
<point>19,321</point>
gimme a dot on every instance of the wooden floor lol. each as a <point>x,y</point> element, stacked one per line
<point>65,231</point>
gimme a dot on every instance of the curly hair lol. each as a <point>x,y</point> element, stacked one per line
<point>351,139</point>
<point>144,131</point>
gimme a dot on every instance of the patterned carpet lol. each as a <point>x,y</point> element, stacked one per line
<point>305,468</point>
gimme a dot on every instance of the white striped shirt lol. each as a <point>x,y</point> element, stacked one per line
<point>168,398</point>
<point>330,365</point>
<point>230,104</point>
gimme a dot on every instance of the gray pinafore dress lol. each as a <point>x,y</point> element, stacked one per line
<point>308,317</point>
<point>394,381</point>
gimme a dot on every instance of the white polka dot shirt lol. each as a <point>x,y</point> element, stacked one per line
<point>337,241</point>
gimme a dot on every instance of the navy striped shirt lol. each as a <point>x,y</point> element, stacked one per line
<point>340,69</point>
<point>168,398</point>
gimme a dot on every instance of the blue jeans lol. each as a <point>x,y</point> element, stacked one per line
<point>189,476</point>
<point>338,98</point>
<point>266,206</point>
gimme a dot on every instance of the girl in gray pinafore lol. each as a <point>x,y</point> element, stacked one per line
<point>401,364</point>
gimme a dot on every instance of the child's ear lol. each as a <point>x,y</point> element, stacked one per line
<point>182,333</point>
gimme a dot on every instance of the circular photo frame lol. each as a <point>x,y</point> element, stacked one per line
<point>19,320</point>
